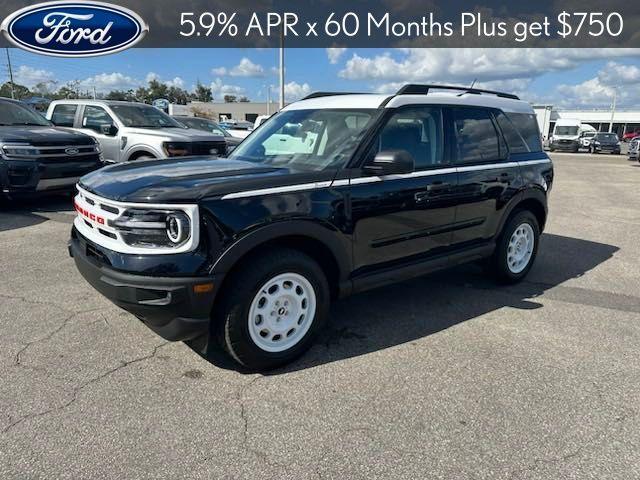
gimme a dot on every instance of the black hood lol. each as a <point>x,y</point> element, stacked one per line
<point>43,135</point>
<point>185,180</point>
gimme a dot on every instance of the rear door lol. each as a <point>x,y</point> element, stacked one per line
<point>487,179</point>
<point>399,216</point>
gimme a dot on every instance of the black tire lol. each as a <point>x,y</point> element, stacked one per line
<point>232,317</point>
<point>498,262</point>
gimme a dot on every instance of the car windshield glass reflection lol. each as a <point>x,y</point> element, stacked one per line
<point>144,117</point>
<point>15,114</point>
<point>307,139</point>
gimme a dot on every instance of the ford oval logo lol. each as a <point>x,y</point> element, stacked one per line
<point>74,29</point>
<point>71,151</point>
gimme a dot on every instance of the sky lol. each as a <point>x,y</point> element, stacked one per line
<point>567,78</point>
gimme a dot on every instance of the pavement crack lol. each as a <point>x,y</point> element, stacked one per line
<point>77,390</point>
<point>65,321</point>
<point>246,437</point>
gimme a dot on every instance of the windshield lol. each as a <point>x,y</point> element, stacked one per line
<point>202,124</point>
<point>307,139</point>
<point>16,114</point>
<point>561,130</point>
<point>144,116</point>
<point>607,137</point>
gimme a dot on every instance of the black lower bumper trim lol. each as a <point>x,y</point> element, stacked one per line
<point>168,306</point>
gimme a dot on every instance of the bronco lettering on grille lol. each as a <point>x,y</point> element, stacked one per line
<point>89,215</point>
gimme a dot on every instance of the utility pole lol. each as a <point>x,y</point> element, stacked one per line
<point>13,95</point>
<point>282,68</point>
<point>94,92</point>
<point>268,100</point>
<point>613,108</point>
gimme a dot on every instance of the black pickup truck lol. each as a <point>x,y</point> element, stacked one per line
<point>37,157</point>
<point>334,195</point>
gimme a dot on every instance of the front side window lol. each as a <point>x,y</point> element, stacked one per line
<point>476,137</point>
<point>95,117</point>
<point>144,116</point>
<point>16,114</point>
<point>417,130</point>
<point>64,115</point>
<point>308,140</point>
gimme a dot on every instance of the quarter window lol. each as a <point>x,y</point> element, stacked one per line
<point>64,115</point>
<point>514,139</point>
<point>476,137</point>
<point>527,125</point>
<point>417,130</point>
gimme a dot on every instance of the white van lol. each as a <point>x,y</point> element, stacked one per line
<point>568,134</point>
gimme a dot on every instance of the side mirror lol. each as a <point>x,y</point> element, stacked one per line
<point>108,129</point>
<point>391,162</point>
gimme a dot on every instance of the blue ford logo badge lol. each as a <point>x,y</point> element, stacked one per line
<point>74,29</point>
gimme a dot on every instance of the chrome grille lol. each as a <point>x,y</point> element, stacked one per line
<point>18,151</point>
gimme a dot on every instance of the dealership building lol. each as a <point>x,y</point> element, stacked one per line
<point>624,120</point>
<point>247,111</point>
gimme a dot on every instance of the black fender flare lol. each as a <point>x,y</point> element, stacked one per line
<point>532,193</point>
<point>327,234</point>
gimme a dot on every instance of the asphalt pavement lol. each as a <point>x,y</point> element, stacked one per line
<point>442,377</point>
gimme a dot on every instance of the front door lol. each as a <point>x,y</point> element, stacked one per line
<point>399,216</point>
<point>92,121</point>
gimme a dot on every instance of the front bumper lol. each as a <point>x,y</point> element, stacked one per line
<point>168,306</point>
<point>606,148</point>
<point>32,176</point>
<point>565,145</point>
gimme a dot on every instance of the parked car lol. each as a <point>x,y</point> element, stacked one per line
<point>133,131</point>
<point>37,157</point>
<point>628,136</point>
<point>605,142</point>
<point>586,138</point>
<point>634,148</point>
<point>237,128</point>
<point>210,126</point>
<point>568,134</point>
<point>252,249</point>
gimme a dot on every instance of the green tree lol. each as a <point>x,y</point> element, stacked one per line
<point>123,95</point>
<point>20,91</point>
<point>202,93</point>
<point>244,100</point>
<point>230,98</point>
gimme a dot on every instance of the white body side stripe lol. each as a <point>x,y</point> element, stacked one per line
<point>360,180</point>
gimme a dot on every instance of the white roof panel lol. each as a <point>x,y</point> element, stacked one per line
<point>434,98</point>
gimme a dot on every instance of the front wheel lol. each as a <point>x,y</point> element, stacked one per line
<point>516,248</point>
<point>273,309</point>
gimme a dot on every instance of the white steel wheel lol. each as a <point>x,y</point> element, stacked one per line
<point>282,312</point>
<point>520,248</point>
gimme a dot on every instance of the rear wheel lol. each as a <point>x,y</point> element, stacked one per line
<point>273,309</point>
<point>516,248</point>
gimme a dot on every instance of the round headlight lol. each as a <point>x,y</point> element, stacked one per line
<point>177,227</point>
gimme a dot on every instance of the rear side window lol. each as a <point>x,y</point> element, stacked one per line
<point>514,140</point>
<point>527,125</point>
<point>63,115</point>
<point>476,137</point>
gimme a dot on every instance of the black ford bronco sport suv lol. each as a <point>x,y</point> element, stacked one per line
<point>335,194</point>
<point>37,157</point>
